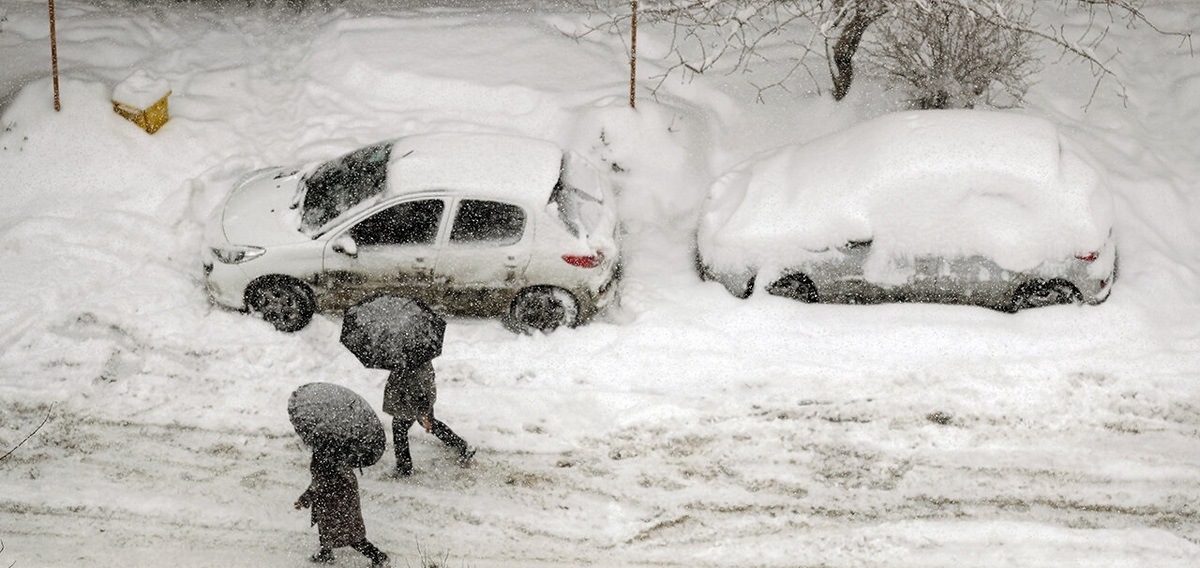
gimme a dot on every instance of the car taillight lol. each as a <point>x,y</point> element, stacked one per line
<point>1089,257</point>
<point>584,261</point>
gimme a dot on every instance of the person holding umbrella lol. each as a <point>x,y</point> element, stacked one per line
<point>337,512</point>
<point>344,433</point>
<point>403,336</point>
<point>409,397</point>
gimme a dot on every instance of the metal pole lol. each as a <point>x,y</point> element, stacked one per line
<point>54,57</point>
<point>633,58</point>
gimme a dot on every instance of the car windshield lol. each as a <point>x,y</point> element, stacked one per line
<point>578,196</point>
<point>336,186</point>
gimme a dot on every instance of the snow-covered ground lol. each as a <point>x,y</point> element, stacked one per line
<point>686,428</point>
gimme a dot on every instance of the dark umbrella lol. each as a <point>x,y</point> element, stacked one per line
<point>337,423</point>
<point>393,333</point>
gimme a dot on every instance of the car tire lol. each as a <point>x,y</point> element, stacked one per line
<point>796,286</point>
<point>542,309</point>
<point>1041,293</point>
<point>282,301</point>
<point>744,289</point>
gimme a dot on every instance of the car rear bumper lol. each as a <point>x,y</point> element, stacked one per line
<point>225,284</point>
<point>592,302</point>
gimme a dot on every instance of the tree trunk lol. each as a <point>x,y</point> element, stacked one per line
<point>847,43</point>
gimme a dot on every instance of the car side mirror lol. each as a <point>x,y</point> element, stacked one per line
<point>345,245</point>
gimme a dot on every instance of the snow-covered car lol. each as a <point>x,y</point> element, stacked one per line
<point>484,225</point>
<point>986,208</point>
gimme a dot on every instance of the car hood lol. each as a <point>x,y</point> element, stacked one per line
<point>259,211</point>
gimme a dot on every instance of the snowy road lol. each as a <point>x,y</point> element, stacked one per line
<point>847,481</point>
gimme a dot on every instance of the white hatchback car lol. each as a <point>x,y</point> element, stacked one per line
<point>993,209</point>
<point>481,225</point>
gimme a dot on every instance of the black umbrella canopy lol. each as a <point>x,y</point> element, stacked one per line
<point>393,333</point>
<point>337,424</point>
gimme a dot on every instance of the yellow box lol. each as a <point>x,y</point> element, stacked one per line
<point>142,99</point>
<point>150,118</point>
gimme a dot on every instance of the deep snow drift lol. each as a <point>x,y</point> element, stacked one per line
<point>686,428</point>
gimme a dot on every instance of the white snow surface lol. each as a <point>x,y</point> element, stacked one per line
<point>139,90</point>
<point>684,428</point>
<point>522,168</point>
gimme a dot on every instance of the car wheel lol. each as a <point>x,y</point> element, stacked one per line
<point>1040,293</point>
<point>795,286</point>
<point>543,309</point>
<point>744,289</point>
<point>283,302</point>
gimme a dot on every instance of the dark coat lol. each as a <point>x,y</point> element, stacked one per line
<point>333,496</point>
<point>410,394</point>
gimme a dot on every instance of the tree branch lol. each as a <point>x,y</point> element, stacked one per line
<point>31,434</point>
<point>735,36</point>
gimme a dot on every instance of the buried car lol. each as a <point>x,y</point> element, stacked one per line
<point>986,208</point>
<point>483,225</point>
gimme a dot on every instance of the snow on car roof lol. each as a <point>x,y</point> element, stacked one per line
<point>492,165</point>
<point>960,182</point>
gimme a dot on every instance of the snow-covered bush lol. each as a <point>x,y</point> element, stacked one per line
<point>948,56</point>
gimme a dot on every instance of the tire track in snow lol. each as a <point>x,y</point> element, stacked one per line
<point>801,477</point>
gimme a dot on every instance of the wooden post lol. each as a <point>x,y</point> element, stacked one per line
<point>633,58</point>
<point>54,57</point>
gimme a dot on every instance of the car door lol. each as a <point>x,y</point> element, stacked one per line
<point>898,277</point>
<point>393,250</point>
<point>924,285</point>
<point>973,279</point>
<point>483,261</point>
<point>849,283</point>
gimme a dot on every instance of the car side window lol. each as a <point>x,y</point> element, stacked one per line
<point>408,223</point>
<point>487,222</point>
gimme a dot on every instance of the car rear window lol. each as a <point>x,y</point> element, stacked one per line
<point>336,186</point>
<point>578,197</point>
<point>487,222</point>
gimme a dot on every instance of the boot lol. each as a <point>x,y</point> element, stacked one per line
<point>323,556</point>
<point>465,455</point>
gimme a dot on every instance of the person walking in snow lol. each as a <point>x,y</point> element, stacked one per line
<point>409,397</point>
<point>337,512</point>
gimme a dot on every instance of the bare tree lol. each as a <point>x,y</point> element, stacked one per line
<point>950,56</point>
<point>707,35</point>
<point>735,36</point>
<point>850,21</point>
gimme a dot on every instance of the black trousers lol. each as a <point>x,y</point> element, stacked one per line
<point>376,556</point>
<point>400,440</point>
